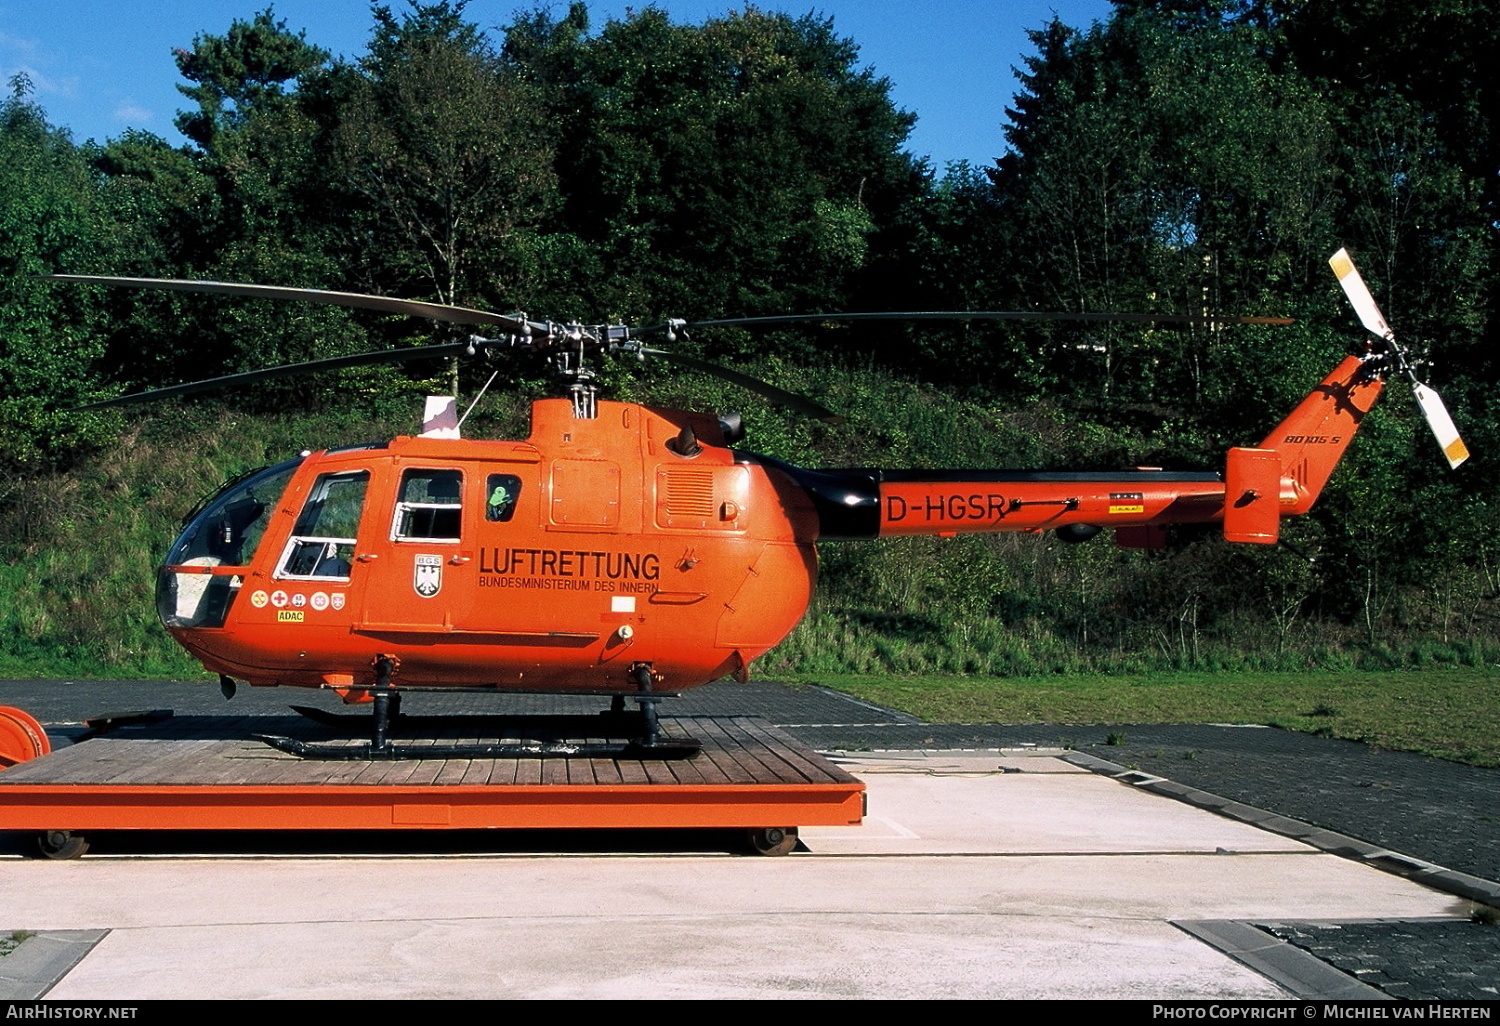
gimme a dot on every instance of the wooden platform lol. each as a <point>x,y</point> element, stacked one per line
<point>210,773</point>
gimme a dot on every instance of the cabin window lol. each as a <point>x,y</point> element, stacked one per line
<point>428,507</point>
<point>500,494</point>
<point>322,544</point>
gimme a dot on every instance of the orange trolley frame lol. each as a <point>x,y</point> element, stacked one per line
<point>748,776</point>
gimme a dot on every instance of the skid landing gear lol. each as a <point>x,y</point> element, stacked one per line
<point>621,734</point>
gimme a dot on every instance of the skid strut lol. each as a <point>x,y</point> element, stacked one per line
<point>647,697</point>
<point>387,703</point>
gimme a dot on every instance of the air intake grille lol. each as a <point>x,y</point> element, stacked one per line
<point>689,492</point>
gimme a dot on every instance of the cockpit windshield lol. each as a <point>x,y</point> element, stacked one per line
<point>231,523</point>
<point>191,589</point>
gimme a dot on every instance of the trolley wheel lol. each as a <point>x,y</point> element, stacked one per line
<point>773,840</point>
<point>21,737</point>
<point>61,844</point>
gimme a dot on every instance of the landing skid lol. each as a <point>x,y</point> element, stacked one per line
<point>523,749</point>
<point>517,737</point>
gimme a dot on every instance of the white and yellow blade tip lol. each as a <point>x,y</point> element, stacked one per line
<point>1359,294</point>
<point>1443,428</point>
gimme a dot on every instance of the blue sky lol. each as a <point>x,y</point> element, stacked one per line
<point>102,67</point>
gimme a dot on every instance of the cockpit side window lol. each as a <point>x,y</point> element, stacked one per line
<point>322,544</point>
<point>429,506</point>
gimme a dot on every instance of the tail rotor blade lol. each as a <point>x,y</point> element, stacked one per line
<point>1442,425</point>
<point>1359,295</point>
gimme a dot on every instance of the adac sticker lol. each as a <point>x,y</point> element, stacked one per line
<point>427,578</point>
<point>289,615</point>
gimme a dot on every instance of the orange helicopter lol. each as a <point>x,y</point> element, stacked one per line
<point>628,551</point>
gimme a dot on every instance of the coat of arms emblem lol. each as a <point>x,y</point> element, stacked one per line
<point>428,576</point>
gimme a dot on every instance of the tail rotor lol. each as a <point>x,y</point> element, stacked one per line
<point>1431,404</point>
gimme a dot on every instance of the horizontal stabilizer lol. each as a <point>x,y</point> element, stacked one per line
<point>1252,496</point>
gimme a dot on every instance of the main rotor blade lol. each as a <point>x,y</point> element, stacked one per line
<point>1359,296</point>
<point>968,315</point>
<point>791,400</point>
<point>286,370</point>
<point>354,300</point>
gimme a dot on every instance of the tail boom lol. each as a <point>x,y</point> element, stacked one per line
<point>1280,478</point>
<point>982,502</point>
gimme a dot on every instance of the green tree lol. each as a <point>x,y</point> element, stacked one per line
<point>47,338</point>
<point>241,73</point>
<point>1163,162</point>
<point>1437,55</point>
<point>254,201</point>
<point>1418,156</point>
<point>741,166</point>
<point>946,248</point>
<point>451,153</point>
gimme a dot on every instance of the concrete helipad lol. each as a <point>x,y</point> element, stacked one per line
<point>974,875</point>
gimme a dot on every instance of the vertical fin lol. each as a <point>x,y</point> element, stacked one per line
<point>1252,496</point>
<point>1312,439</point>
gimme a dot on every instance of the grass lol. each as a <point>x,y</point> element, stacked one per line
<point>1449,712</point>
